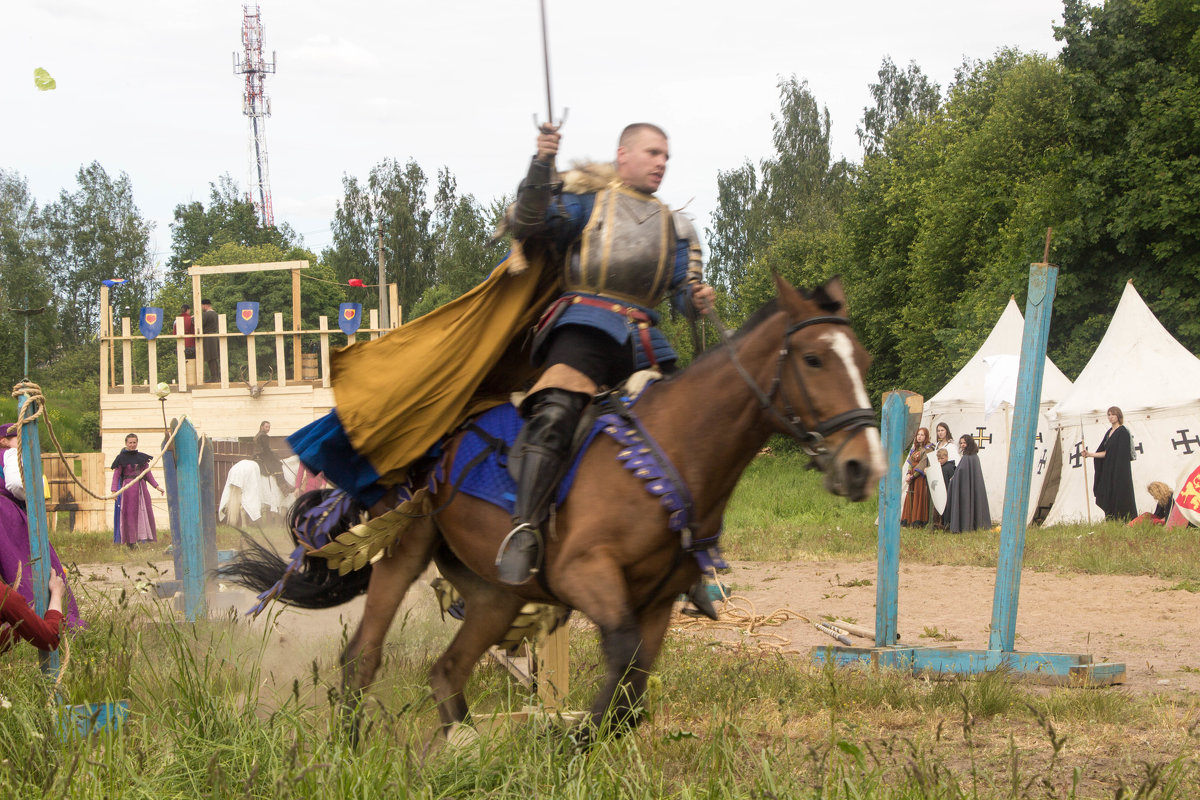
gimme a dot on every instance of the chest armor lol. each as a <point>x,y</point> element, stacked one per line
<point>626,250</point>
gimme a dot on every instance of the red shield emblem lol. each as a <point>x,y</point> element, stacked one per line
<point>151,319</point>
<point>1189,493</point>
<point>247,314</point>
<point>349,313</point>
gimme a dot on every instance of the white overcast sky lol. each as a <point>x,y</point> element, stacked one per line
<point>147,87</point>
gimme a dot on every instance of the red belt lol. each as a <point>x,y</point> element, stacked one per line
<point>636,315</point>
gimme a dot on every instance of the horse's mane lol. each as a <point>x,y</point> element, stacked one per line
<point>765,312</point>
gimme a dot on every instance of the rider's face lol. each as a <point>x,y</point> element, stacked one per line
<point>642,162</point>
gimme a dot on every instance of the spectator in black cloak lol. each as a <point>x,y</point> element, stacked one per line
<point>967,495</point>
<point>1113,480</point>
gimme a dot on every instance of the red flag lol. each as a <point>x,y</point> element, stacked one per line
<point>355,282</point>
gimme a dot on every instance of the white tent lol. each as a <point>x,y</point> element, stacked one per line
<point>1140,368</point>
<point>987,382</point>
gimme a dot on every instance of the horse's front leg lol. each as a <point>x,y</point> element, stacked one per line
<point>488,615</point>
<point>391,577</point>
<point>629,643</point>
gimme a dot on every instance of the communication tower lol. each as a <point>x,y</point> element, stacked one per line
<point>257,106</point>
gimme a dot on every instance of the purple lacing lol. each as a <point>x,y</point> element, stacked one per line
<point>642,456</point>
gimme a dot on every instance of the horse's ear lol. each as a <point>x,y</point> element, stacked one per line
<point>788,296</point>
<point>831,297</point>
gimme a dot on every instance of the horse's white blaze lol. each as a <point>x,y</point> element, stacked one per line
<point>840,343</point>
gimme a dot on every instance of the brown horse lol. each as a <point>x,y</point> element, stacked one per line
<point>794,368</point>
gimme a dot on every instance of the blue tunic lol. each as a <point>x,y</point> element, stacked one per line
<point>565,221</point>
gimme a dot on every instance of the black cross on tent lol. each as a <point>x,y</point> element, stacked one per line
<point>1076,456</point>
<point>1185,442</point>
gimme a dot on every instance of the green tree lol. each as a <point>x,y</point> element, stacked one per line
<point>229,219</point>
<point>900,95</point>
<point>23,283</point>
<point>394,199</point>
<point>93,234</point>
<point>1133,72</point>
<point>798,188</point>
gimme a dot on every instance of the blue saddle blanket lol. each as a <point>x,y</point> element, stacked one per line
<point>489,480</point>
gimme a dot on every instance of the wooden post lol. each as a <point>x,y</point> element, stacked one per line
<point>126,356</point>
<point>208,504</point>
<point>171,484</point>
<point>374,324</point>
<point>105,344</point>
<point>152,366</point>
<point>39,535</point>
<point>554,668</point>
<point>296,322</point>
<point>198,326</point>
<point>394,303</point>
<point>280,350</point>
<point>324,325</point>
<point>191,527</point>
<point>1043,279</point>
<point>223,345</point>
<point>887,589</point>
<point>251,361</point>
<point>180,356</point>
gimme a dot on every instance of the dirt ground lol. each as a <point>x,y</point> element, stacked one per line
<point>1132,620</point>
<point>1137,621</point>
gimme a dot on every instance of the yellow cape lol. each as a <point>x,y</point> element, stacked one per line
<point>397,395</point>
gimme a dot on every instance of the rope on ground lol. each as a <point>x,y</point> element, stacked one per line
<point>33,395</point>
<point>746,620</point>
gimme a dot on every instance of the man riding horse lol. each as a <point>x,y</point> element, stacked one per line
<point>621,250</point>
<point>602,251</point>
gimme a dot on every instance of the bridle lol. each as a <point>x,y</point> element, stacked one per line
<point>812,441</point>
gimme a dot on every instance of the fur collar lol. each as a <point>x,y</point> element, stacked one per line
<point>587,177</point>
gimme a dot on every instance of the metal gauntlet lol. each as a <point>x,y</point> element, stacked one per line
<point>528,214</point>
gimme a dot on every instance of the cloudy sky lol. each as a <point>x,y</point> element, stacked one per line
<point>147,87</point>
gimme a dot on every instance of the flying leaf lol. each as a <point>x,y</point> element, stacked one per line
<point>42,80</point>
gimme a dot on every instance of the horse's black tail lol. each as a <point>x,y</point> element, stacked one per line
<point>307,582</point>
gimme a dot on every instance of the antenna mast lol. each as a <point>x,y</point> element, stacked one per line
<point>257,106</point>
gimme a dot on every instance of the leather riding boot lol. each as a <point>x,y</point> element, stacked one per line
<point>543,449</point>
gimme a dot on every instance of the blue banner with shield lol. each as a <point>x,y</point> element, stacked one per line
<point>349,317</point>
<point>151,321</point>
<point>246,317</point>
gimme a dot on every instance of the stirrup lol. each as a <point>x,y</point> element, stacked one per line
<point>520,555</point>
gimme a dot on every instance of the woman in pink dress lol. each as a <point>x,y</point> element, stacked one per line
<point>133,519</point>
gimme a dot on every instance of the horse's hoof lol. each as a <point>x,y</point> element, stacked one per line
<point>460,734</point>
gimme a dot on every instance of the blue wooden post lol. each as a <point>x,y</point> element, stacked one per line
<point>1043,279</point>
<point>887,586</point>
<point>208,504</point>
<point>191,528</point>
<point>171,484</point>
<point>39,534</point>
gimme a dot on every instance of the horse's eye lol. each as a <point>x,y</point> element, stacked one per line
<point>812,361</point>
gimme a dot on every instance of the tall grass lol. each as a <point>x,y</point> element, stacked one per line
<point>212,719</point>
<point>779,511</point>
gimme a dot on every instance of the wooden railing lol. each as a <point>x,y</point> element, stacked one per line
<point>137,360</point>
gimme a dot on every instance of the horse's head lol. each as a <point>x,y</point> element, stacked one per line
<point>819,391</point>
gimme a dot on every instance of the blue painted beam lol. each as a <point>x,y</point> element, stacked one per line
<point>191,528</point>
<point>208,504</point>
<point>1065,669</point>
<point>1043,279</point>
<point>171,484</point>
<point>39,531</point>
<point>896,410</point>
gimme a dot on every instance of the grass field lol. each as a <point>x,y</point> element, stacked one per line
<point>218,712</point>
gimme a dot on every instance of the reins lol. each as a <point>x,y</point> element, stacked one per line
<point>812,441</point>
